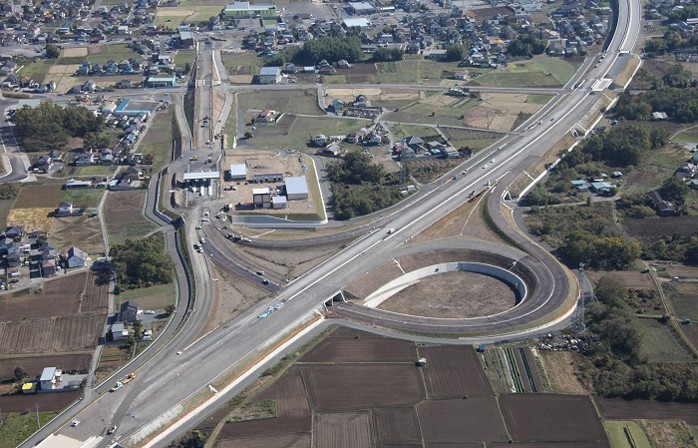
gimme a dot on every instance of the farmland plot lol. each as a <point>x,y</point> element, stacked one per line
<point>35,364</point>
<point>289,393</point>
<point>551,418</point>
<point>397,425</point>
<point>454,372</point>
<point>263,441</point>
<point>358,386</point>
<point>347,345</point>
<point>454,421</point>
<point>265,427</point>
<point>40,196</point>
<point>59,297</point>
<point>619,409</point>
<point>54,334</point>
<point>346,430</point>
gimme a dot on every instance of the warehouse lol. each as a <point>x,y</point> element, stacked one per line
<point>128,108</point>
<point>245,10</point>
<point>261,197</point>
<point>159,82</point>
<point>238,171</point>
<point>296,188</point>
<point>361,8</point>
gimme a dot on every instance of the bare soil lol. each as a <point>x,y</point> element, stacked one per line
<point>345,430</point>
<point>40,196</point>
<point>84,232</point>
<point>453,372</point>
<point>551,418</point>
<point>372,280</point>
<point>346,387</point>
<point>46,402</point>
<point>397,425</point>
<point>347,345</point>
<point>453,294</point>
<point>456,421</point>
<point>296,440</point>
<point>123,213</point>
<point>289,393</point>
<point>619,409</point>
<point>630,279</point>
<point>291,263</point>
<point>34,365</point>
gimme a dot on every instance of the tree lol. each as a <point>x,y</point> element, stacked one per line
<point>456,52</point>
<point>52,51</point>
<point>142,263</point>
<point>93,140</point>
<point>674,189</point>
<point>138,330</point>
<point>20,373</point>
<point>525,46</point>
<point>331,49</point>
<point>388,54</point>
<point>659,137</point>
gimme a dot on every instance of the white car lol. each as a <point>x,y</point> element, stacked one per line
<point>75,423</point>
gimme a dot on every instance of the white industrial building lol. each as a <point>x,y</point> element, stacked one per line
<point>296,188</point>
<point>279,202</point>
<point>238,171</point>
<point>49,377</point>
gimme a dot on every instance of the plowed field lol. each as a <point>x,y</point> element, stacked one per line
<point>454,372</point>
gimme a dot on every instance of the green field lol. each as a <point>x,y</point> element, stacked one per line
<point>474,140</point>
<point>413,71</point>
<point>173,17</point>
<point>659,344</point>
<point>245,63</point>
<point>539,99</point>
<point>16,427</point>
<point>626,434</point>
<point>101,54</point>
<point>90,170</point>
<point>157,141</point>
<point>37,70</point>
<point>541,71</point>
<point>401,131</point>
<point>184,56</point>
<point>687,136</point>
<point>429,112</point>
<point>154,297</point>
<point>302,102</point>
<point>684,300</point>
<point>299,133</point>
<point>84,197</point>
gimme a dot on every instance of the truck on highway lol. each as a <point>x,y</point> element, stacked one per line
<point>121,383</point>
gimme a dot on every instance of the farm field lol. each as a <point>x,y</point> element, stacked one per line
<point>84,231</point>
<point>400,131</point>
<point>67,316</point>
<point>345,347</point>
<point>619,409</point>
<point>541,71</point>
<point>493,111</point>
<point>5,207</point>
<point>356,401</point>
<point>183,57</point>
<point>46,402</point>
<point>626,434</point>
<point>244,64</point>
<point>651,229</point>
<point>414,71</point>
<point>303,102</point>
<point>528,418</point>
<point>173,17</point>
<point>295,132</point>
<point>475,140</point>
<point>660,344</point>
<point>85,198</point>
<point>46,195</point>
<point>124,217</point>
<point>35,364</point>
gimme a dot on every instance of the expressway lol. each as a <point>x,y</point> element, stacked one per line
<point>159,394</point>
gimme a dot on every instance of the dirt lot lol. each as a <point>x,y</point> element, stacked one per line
<point>35,364</point>
<point>453,294</point>
<point>231,298</point>
<point>453,372</point>
<point>40,196</point>
<point>551,418</point>
<point>268,162</point>
<point>347,345</point>
<point>124,216</point>
<point>560,370</point>
<point>619,409</point>
<point>371,281</point>
<point>454,421</point>
<point>290,263</point>
<point>346,430</point>
<point>397,425</point>
<point>358,386</point>
<point>47,402</point>
<point>265,426</point>
<point>82,231</point>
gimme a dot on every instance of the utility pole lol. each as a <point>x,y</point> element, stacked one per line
<point>38,422</point>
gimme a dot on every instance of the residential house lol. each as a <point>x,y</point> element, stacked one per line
<point>118,332</point>
<point>15,233</point>
<point>266,116</point>
<point>663,208</point>
<point>319,140</point>
<point>44,164</point>
<point>129,311</point>
<point>76,258</point>
<point>67,209</point>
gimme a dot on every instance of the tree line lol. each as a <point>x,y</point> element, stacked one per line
<point>142,263</point>
<point>50,126</point>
